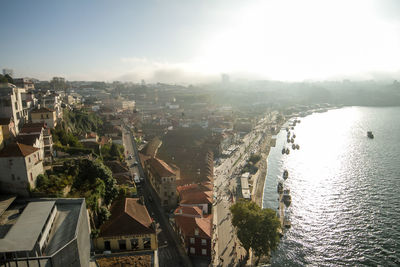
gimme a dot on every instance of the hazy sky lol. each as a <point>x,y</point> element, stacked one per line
<point>195,41</point>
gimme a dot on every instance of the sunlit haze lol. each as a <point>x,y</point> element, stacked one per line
<point>193,41</point>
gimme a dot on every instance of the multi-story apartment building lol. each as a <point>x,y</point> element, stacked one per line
<point>38,135</point>
<point>11,105</point>
<point>8,128</point>
<point>46,115</point>
<point>51,100</point>
<point>163,179</point>
<point>19,167</point>
<point>45,232</point>
<point>25,83</point>
<point>195,230</point>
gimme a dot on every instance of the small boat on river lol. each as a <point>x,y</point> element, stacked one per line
<point>280,188</point>
<point>285,174</point>
<point>370,135</point>
<point>286,198</point>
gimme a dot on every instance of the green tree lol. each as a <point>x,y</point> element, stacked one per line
<point>256,228</point>
<point>9,78</point>
<point>3,79</point>
<point>114,152</point>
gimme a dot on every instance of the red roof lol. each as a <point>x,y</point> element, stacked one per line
<point>195,193</point>
<point>189,224</point>
<point>28,139</point>
<point>161,167</point>
<point>189,211</point>
<point>42,110</point>
<point>17,150</point>
<point>128,217</point>
<point>33,127</point>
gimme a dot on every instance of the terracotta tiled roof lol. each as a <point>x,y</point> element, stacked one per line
<point>143,158</point>
<point>161,167</point>
<point>191,211</point>
<point>28,139</point>
<point>17,150</point>
<point>196,197</point>
<point>116,166</point>
<point>35,125</point>
<point>91,135</point>
<point>31,130</point>
<point>195,193</point>
<point>104,140</point>
<point>128,217</point>
<point>132,260</point>
<point>189,224</point>
<point>42,110</point>
<point>34,128</point>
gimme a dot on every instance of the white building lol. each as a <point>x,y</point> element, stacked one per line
<point>19,167</point>
<point>11,105</point>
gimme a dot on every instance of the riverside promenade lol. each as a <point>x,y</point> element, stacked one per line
<point>226,247</point>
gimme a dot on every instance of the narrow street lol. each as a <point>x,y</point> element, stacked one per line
<point>171,252</point>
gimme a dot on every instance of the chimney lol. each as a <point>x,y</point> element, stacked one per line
<point>141,200</point>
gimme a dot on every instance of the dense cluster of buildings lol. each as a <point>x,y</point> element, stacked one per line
<point>58,230</point>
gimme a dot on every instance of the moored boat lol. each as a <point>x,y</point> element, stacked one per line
<point>280,188</point>
<point>285,174</point>
<point>286,198</point>
<point>370,135</point>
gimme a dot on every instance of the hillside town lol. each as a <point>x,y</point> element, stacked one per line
<point>124,174</point>
<point>119,173</point>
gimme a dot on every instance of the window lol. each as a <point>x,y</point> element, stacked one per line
<point>166,202</point>
<point>192,250</point>
<point>203,251</point>
<point>165,194</point>
<point>41,116</point>
<point>134,243</point>
<point>13,177</point>
<point>107,245</point>
<point>196,231</point>
<point>192,240</point>
<point>122,244</point>
<point>10,162</point>
<point>29,159</point>
<point>146,243</point>
<point>203,242</point>
<point>31,177</point>
<point>47,116</point>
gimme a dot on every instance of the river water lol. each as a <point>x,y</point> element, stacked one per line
<point>345,189</point>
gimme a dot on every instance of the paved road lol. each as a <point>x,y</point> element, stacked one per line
<point>226,180</point>
<point>172,252</point>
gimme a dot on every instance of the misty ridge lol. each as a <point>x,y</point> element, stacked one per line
<point>280,94</point>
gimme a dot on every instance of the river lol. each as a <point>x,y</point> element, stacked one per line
<point>345,189</point>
